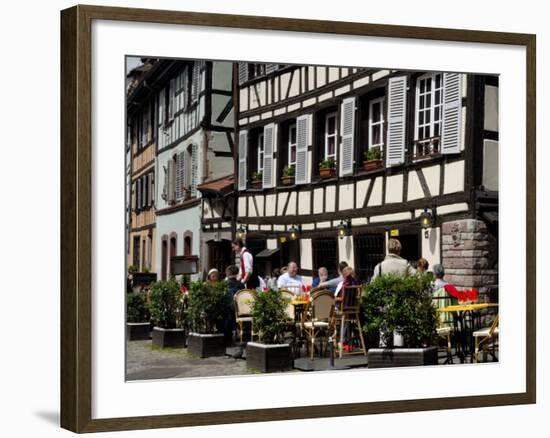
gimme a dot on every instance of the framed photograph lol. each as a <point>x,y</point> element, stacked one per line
<point>258,212</point>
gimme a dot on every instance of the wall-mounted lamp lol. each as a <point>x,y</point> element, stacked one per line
<point>293,232</point>
<point>344,228</point>
<point>241,232</point>
<point>426,221</point>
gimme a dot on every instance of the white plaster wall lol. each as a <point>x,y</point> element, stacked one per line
<point>304,202</point>
<point>415,189</point>
<point>270,205</point>
<point>432,175</point>
<point>345,250</point>
<point>490,164</point>
<point>330,198</point>
<point>291,210</point>
<point>376,195</point>
<point>242,207</point>
<point>454,177</point>
<point>491,108</point>
<point>282,201</point>
<point>271,243</point>
<point>345,197</point>
<point>362,188</point>
<point>431,246</point>
<point>306,259</point>
<point>394,189</point>
<point>318,201</point>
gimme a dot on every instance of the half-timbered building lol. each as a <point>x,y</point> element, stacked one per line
<point>399,146</point>
<point>141,149</point>
<point>194,127</point>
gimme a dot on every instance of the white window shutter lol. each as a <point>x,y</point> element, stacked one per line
<point>171,180</point>
<point>196,75</point>
<point>133,194</point>
<point>270,68</point>
<point>452,113</point>
<point>397,103</point>
<point>243,153</point>
<point>138,194</point>
<point>348,134</point>
<point>243,72</point>
<point>162,99</point>
<point>269,140</point>
<point>145,191</point>
<point>194,168</point>
<point>180,174</point>
<point>302,143</point>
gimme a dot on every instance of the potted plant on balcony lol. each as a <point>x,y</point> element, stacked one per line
<point>166,306</point>
<point>372,159</point>
<point>137,317</point>
<point>288,175</point>
<point>270,320</point>
<point>396,305</point>
<point>257,180</point>
<point>206,309</point>
<point>327,168</point>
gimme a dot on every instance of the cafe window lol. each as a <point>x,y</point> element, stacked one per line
<point>372,122</point>
<point>325,136</point>
<point>292,145</point>
<point>369,251</point>
<point>255,70</point>
<point>376,123</point>
<point>325,254</point>
<point>255,152</point>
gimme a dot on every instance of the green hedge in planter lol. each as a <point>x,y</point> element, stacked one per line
<point>207,303</point>
<point>404,304</point>
<point>269,316</point>
<point>166,304</point>
<point>137,309</point>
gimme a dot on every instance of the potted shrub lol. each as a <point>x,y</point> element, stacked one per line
<point>270,320</point>
<point>288,175</point>
<point>327,168</point>
<point>401,308</point>
<point>257,180</point>
<point>166,306</point>
<point>205,312</point>
<point>372,159</point>
<point>137,316</point>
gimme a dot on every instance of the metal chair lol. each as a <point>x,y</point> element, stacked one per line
<point>243,306</point>
<point>485,337</point>
<point>347,316</point>
<point>319,318</point>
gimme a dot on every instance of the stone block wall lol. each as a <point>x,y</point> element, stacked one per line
<point>470,256</point>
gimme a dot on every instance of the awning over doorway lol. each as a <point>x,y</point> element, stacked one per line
<point>266,253</point>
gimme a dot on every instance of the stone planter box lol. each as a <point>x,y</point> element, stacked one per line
<point>171,338</point>
<point>206,345</point>
<point>268,358</point>
<point>138,331</point>
<point>256,184</point>
<point>401,357</point>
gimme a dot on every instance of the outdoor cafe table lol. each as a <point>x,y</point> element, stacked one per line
<point>466,319</point>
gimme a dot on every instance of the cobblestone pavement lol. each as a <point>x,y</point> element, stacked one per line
<point>144,362</point>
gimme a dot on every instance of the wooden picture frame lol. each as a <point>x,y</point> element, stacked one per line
<point>76,217</point>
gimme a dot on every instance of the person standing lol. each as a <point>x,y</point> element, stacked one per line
<point>393,263</point>
<point>246,265</point>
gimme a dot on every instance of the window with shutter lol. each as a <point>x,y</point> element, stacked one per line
<point>452,113</point>
<point>171,180</point>
<point>145,185</point>
<point>133,197</point>
<point>397,102</point>
<point>171,99</point>
<point>180,175</point>
<point>243,151</point>
<point>138,194</point>
<point>195,86</point>
<point>269,141</point>
<point>429,102</point>
<point>348,135</point>
<point>302,143</point>
<point>194,169</point>
<point>243,72</point>
<point>270,68</point>
<point>152,189</point>
<point>162,102</point>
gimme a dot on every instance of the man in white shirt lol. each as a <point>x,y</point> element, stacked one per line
<point>290,279</point>
<point>246,262</point>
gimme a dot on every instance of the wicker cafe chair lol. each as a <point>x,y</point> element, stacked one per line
<point>319,318</point>
<point>445,329</point>
<point>484,338</point>
<point>243,306</point>
<point>348,310</point>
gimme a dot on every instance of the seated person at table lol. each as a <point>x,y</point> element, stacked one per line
<point>333,283</point>
<point>422,266</point>
<point>393,263</point>
<point>443,294</point>
<point>323,276</point>
<point>349,279</point>
<point>290,279</point>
